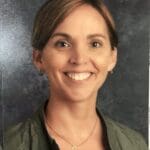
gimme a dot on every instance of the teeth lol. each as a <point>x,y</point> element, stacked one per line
<point>79,76</point>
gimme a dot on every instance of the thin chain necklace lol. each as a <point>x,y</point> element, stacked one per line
<point>73,146</point>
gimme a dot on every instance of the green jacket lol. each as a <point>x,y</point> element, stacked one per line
<point>32,135</point>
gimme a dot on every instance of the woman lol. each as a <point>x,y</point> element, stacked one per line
<point>75,45</point>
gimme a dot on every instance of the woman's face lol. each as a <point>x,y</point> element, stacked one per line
<point>78,56</point>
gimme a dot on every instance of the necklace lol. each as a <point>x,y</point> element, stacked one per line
<point>73,146</point>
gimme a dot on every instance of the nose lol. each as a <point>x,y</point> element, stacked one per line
<point>78,56</point>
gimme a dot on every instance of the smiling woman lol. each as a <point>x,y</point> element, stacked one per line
<point>75,45</point>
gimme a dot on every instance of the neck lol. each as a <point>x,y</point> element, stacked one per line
<point>71,115</point>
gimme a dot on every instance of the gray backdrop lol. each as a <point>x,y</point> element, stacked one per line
<point>124,96</point>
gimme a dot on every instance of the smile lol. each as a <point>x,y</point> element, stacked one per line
<point>78,76</point>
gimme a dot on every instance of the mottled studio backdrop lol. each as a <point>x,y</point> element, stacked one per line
<point>124,96</point>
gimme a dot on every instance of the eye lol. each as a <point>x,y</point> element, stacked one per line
<point>62,44</point>
<point>96,44</point>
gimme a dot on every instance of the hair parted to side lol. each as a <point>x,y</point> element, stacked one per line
<point>53,12</point>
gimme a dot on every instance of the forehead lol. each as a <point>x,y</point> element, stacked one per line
<point>82,21</point>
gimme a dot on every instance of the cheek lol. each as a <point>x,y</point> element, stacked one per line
<point>54,62</point>
<point>101,63</point>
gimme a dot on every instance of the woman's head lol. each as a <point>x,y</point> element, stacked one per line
<point>77,54</point>
<point>53,12</point>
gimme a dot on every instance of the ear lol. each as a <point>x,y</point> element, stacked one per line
<point>113,59</point>
<point>37,60</point>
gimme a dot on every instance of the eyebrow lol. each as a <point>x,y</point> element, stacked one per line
<point>69,37</point>
<point>60,34</point>
<point>96,35</point>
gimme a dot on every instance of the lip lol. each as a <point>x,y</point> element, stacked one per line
<point>78,76</point>
<point>92,71</point>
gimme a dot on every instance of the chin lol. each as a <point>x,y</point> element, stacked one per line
<point>80,96</point>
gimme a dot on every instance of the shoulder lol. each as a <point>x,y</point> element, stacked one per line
<point>23,134</point>
<point>16,135</point>
<point>126,138</point>
<point>30,134</point>
<point>19,136</point>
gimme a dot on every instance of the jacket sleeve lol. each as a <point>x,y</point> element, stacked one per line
<point>141,143</point>
<point>124,138</point>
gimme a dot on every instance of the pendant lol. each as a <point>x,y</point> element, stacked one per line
<point>74,147</point>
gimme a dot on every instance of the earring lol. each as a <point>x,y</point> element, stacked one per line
<point>111,72</point>
<point>41,73</point>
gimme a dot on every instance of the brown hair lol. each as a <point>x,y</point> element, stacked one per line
<point>53,12</point>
